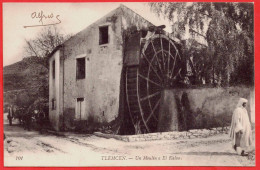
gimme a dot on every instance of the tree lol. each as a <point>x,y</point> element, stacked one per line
<point>228,31</point>
<point>44,43</point>
<point>37,51</point>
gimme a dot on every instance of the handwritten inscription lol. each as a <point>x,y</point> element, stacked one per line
<point>44,19</point>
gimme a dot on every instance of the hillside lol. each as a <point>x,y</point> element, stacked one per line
<point>25,81</point>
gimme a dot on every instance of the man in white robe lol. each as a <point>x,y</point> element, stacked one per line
<point>240,130</point>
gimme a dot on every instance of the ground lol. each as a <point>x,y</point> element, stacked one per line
<point>30,148</point>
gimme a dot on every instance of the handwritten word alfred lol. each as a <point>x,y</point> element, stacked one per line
<point>44,19</point>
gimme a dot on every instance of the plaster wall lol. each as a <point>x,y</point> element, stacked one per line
<point>168,117</point>
<point>103,66</point>
<point>202,107</point>
<point>54,90</point>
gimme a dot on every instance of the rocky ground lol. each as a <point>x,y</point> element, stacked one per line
<point>30,148</point>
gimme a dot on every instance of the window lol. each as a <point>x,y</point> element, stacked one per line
<point>103,35</point>
<point>80,68</point>
<point>80,108</point>
<point>53,104</point>
<point>53,69</point>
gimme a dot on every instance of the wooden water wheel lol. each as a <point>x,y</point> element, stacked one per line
<point>159,68</point>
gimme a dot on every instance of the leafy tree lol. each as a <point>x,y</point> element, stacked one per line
<point>228,30</point>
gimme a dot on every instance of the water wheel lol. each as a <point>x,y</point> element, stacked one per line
<point>160,68</point>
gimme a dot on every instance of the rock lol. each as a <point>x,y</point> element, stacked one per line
<point>204,136</point>
<point>10,149</point>
<point>185,137</point>
<point>193,131</point>
<point>219,128</point>
<point>9,140</point>
<point>205,131</point>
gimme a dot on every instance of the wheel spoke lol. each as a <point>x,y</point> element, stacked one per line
<point>157,57</point>
<point>152,67</point>
<point>174,64</point>
<point>155,117</point>
<point>179,72</point>
<point>172,56</point>
<point>152,114</point>
<point>169,62</point>
<point>150,80</point>
<point>139,103</point>
<point>177,52</point>
<point>150,96</point>
<point>162,52</point>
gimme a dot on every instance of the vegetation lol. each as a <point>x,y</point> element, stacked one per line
<point>26,81</point>
<point>227,28</point>
<point>44,43</point>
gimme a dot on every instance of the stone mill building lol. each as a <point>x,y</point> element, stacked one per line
<point>85,71</point>
<point>126,74</point>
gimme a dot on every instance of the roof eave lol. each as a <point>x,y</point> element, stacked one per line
<point>54,50</point>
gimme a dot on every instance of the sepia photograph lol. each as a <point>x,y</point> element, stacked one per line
<point>108,84</point>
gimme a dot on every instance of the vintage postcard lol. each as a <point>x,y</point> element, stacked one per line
<point>129,84</point>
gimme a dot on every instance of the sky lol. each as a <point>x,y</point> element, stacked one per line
<point>74,17</point>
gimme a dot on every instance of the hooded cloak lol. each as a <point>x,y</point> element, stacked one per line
<point>240,122</point>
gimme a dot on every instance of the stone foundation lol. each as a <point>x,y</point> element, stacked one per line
<point>195,133</point>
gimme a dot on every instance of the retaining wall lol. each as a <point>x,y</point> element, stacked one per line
<point>202,107</point>
<point>196,133</point>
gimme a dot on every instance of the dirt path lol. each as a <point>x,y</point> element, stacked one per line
<point>23,148</point>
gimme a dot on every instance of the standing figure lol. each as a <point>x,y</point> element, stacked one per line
<point>240,130</point>
<point>28,120</point>
<point>22,116</point>
<point>10,115</point>
<point>18,114</point>
<point>40,119</point>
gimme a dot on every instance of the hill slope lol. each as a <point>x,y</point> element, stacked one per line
<point>25,81</point>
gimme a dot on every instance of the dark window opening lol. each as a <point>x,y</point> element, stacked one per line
<point>53,104</point>
<point>103,35</point>
<point>80,68</point>
<point>53,69</point>
<point>80,99</point>
<point>80,107</point>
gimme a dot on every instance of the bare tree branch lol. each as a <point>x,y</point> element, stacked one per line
<point>31,48</point>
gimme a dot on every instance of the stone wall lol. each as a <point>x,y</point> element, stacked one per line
<point>201,107</point>
<point>196,133</point>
